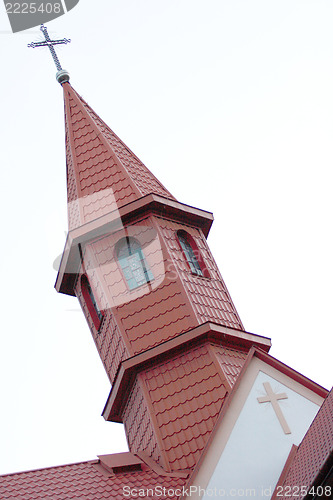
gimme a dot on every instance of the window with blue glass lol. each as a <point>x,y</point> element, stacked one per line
<point>191,253</point>
<point>133,263</point>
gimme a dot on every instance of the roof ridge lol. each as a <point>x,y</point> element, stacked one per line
<point>39,469</point>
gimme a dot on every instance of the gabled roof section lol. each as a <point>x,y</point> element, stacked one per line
<point>102,172</point>
<point>250,431</point>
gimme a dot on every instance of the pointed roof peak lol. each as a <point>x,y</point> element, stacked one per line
<point>103,174</point>
<point>62,76</point>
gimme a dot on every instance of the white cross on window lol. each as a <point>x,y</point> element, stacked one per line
<point>273,398</point>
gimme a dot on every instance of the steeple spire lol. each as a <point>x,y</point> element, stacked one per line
<point>103,174</point>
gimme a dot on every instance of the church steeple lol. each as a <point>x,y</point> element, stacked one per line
<point>163,322</point>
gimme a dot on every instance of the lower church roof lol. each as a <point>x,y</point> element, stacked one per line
<point>92,480</point>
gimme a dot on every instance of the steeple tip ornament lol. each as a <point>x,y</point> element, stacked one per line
<point>62,75</point>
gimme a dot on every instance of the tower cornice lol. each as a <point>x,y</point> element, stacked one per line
<point>114,221</point>
<point>207,332</point>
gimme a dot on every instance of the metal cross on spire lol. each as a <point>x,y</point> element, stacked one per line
<point>62,75</point>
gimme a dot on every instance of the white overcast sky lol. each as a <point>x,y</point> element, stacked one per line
<point>229,103</point>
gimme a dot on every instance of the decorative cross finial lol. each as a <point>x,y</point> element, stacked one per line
<point>62,75</point>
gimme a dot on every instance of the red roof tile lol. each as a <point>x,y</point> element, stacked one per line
<point>102,172</point>
<point>84,481</point>
<point>209,297</point>
<point>148,315</point>
<point>231,361</point>
<point>138,426</point>
<point>186,394</point>
<point>108,338</point>
<point>157,317</point>
<point>312,453</point>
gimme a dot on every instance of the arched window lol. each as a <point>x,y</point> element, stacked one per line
<point>192,254</point>
<point>133,263</point>
<point>93,308</point>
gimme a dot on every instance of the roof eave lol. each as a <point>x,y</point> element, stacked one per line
<point>203,333</point>
<point>113,221</point>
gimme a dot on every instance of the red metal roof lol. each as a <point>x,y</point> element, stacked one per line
<point>139,428</point>
<point>86,481</point>
<point>209,298</point>
<point>232,362</point>
<point>102,172</point>
<point>186,395</point>
<point>312,453</point>
<point>216,335</point>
